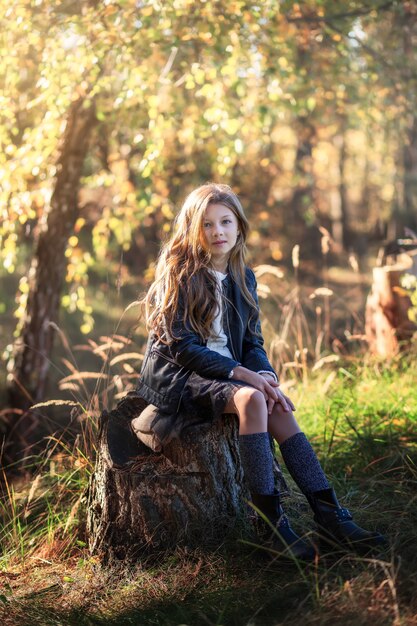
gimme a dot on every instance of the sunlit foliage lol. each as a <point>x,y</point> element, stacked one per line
<point>305,108</point>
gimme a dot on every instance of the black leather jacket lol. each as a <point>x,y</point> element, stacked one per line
<point>166,368</point>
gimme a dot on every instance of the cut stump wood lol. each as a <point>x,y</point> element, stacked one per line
<point>388,327</point>
<point>142,502</point>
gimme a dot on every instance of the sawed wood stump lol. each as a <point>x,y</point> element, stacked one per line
<point>141,502</point>
<point>387,325</point>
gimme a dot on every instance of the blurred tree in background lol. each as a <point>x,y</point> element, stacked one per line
<point>112,111</point>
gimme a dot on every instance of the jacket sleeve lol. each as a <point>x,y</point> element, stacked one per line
<point>189,351</point>
<point>254,354</point>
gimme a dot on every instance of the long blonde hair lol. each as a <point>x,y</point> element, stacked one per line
<point>184,264</point>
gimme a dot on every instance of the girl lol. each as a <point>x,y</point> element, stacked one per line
<point>205,357</point>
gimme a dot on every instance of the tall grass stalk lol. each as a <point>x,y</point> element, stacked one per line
<point>361,416</point>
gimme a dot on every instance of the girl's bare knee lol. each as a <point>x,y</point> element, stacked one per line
<point>278,412</point>
<point>244,398</point>
<point>251,409</point>
<point>282,424</point>
<point>248,397</point>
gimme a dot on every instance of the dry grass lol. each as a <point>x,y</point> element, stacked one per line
<point>361,416</point>
<point>48,577</point>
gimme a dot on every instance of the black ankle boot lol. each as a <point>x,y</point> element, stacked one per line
<point>282,538</point>
<point>336,525</point>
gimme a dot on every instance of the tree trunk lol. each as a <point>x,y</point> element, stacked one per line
<point>141,502</point>
<point>388,327</point>
<point>302,199</point>
<point>406,216</point>
<point>47,273</point>
<point>344,214</point>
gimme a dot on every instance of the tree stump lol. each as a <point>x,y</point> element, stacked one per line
<point>387,324</point>
<point>141,502</point>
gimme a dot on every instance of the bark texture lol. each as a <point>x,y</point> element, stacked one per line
<point>388,326</point>
<point>302,198</point>
<point>407,213</point>
<point>47,274</point>
<point>141,502</point>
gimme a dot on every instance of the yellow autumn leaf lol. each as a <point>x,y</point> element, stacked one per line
<point>231,126</point>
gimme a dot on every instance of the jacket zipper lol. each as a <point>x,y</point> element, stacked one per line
<point>179,401</point>
<point>164,356</point>
<point>230,334</point>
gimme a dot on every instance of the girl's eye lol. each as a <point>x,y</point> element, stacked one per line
<point>227,221</point>
<point>206,225</point>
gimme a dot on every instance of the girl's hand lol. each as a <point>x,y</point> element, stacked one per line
<point>281,398</point>
<point>267,386</point>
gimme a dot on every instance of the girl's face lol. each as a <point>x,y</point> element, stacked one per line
<point>220,232</point>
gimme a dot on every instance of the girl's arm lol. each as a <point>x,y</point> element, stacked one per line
<point>189,352</point>
<point>254,354</point>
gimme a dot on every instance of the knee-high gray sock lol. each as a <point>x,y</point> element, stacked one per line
<point>257,461</point>
<point>302,464</point>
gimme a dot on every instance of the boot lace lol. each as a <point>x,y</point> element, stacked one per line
<point>283,522</point>
<point>343,515</point>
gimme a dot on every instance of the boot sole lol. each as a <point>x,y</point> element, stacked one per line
<point>329,543</point>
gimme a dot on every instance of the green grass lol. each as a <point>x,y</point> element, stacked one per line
<point>361,417</point>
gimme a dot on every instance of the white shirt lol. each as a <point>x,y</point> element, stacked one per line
<point>218,340</point>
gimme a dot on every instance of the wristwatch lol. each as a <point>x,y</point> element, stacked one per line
<point>231,373</point>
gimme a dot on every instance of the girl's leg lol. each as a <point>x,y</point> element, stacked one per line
<point>298,455</point>
<point>255,450</point>
<point>282,424</point>
<point>335,523</point>
<point>296,450</point>
<point>257,460</point>
<point>250,406</point>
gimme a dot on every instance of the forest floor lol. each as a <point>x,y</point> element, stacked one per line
<point>362,419</point>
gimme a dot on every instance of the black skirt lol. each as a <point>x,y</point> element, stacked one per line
<point>203,400</point>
